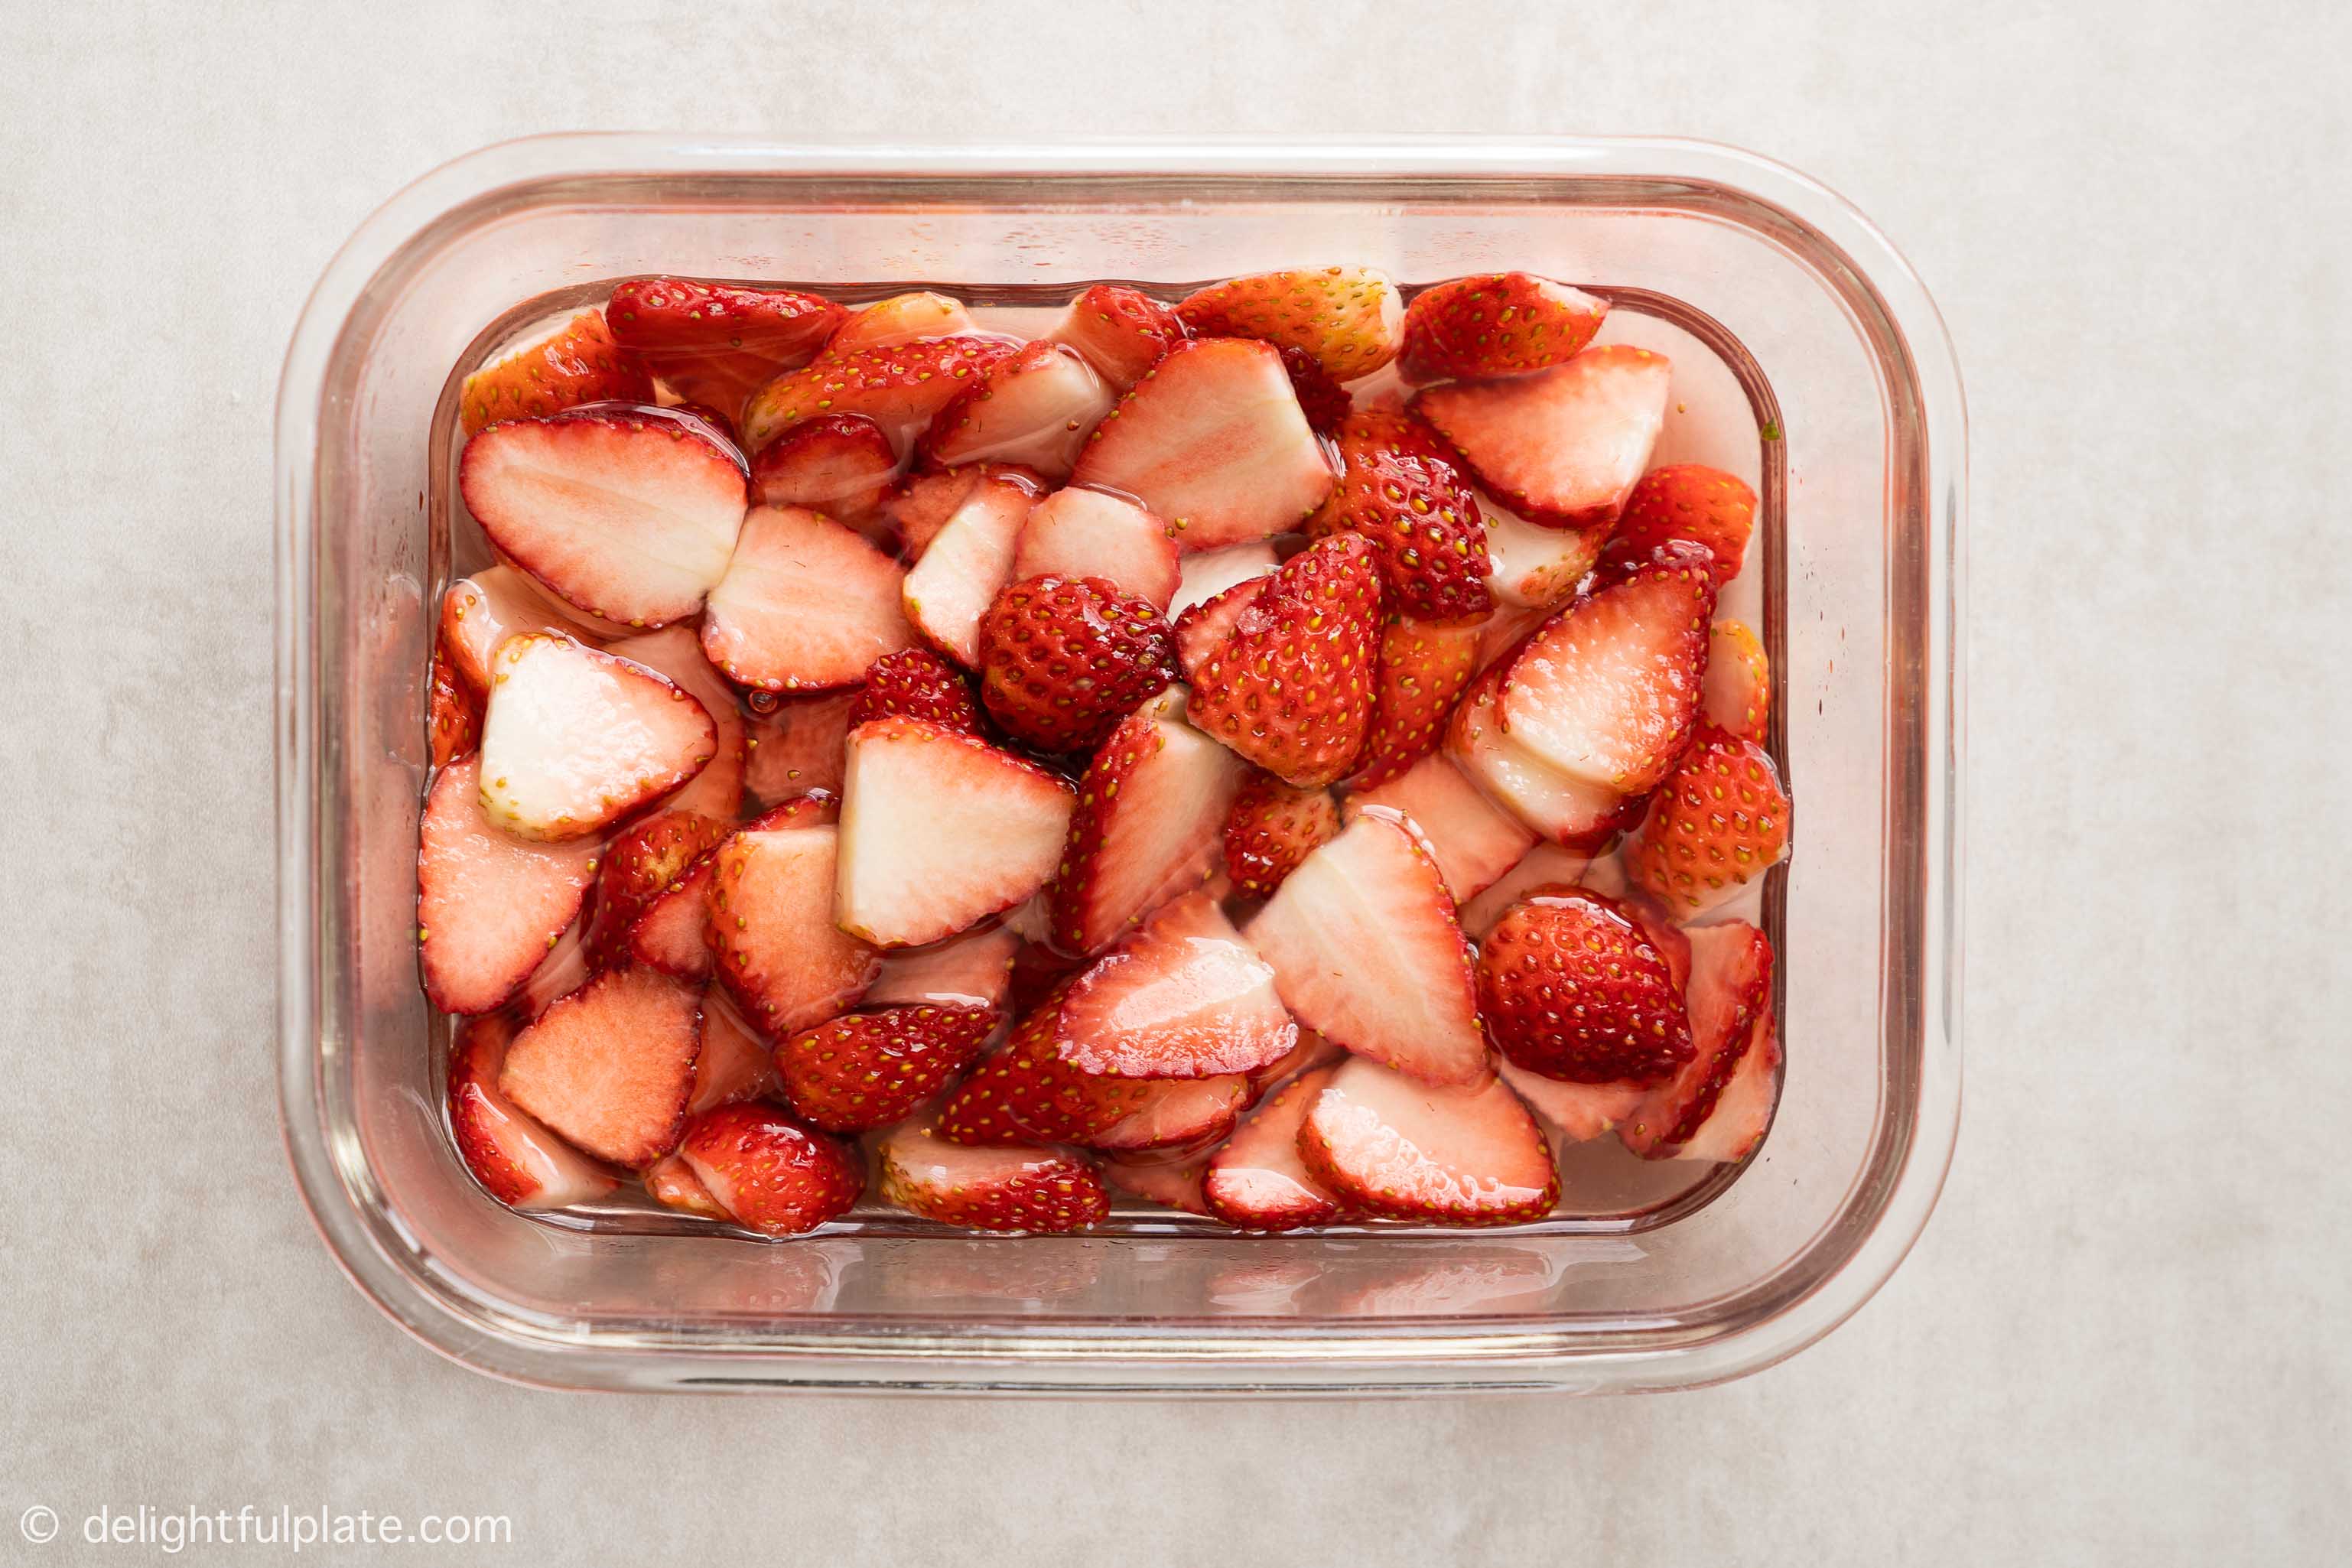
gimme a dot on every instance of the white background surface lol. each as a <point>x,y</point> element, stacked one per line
<point>2122,1336</point>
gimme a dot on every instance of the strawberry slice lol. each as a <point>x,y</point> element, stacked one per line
<point>1744,1109</point>
<point>610,1068</point>
<point>1258,1180</point>
<point>1473,840</point>
<point>1149,809</point>
<point>1122,332</point>
<point>1184,997</point>
<point>1730,991</point>
<point>716,342</point>
<point>575,738</point>
<point>1736,693</point>
<point>647,860</point>
<point>1029,1189</point>
<point>920,684</point>
<point>480,612</point>
<point>673,934</point>
<point>898,386</point>
<point>1324,402</point>
<point>1157,1175</point>
<point>735,1065</point>
<point>1568,812</point>
<point>919,505</point>
<point>1415,509</point>
<point>1291,687</point>
<point>1424,668</point>
<point>1205,575</point>
<point>1562,446</point>
<point>1025,1092</point>
<point>671,1183</point>
<point>1545,865</point>
<point>577,363</point>
<point>1089,533</point>
<point>805,606</point>
<point>1213,440</point>
<point>972,971</point>
<point>798,746</point>
<point>1271,828</point>
<point>1205,628</point>
<point>488,906</point>
<point>1719,821</point>
<point>1366,950</point>
<point>677,652</point>
<point>1035,407</point>
<point>1570,987</point>
<point>453,713</point>
<point>773,932</point>
<point>1062,659</point>
<point>1457,1154</point>
<point>523,1164</point>
<point>1496,324</point>
<point>1693,502</point>
<point>1576,1113</point>
<point>965,566</point>
<point>769,1173</point>
<point>839,464</point>
<point>628,515</point>
<point>900,319</point>
<point>1177,1113</point>
<point>1532,567</point>
<point>869,1068</point>
<point>940,830</point>
<point>1347,318</point>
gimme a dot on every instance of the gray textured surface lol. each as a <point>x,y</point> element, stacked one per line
<point>2122,1336</point>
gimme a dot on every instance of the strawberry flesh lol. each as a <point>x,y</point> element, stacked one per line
<point>676,653</point>
<point>805,606</point>
<point>574,738</point>
<point>1184,997</point>
<point>1149,808</point>
<point>1400,1149</point>
<point>1562,446</point>
<point>771,929</point>
<point>1473,840</point>
<point>1092,534</point>
<point>611,1066</point>
<point>489,906</point>
<point>1035,407</point>
<point>1258,1181</point>
<point>839,464</point>
<point>520,1162</point>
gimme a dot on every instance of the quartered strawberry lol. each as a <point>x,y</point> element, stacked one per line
<point>1736,693</point>
<point>1206,627</point>
<point>735,1064</point>
<point>623,514</point>
<point>1366,952</point>
<point>920,684</point>
<point>577,363</point>
<point>1031,1189</point>
<point>839,464</point>
<point>649,860</point>
<point>1150,805</point>
<point>1570,987</point>
<point>1182,997</point>
<point>1693,502</point>
<point>453,717</point>
<point>671,1183</point>
<point>869,1068</point>
<point>1472,839</point>
<point>673,932</point>
<point>676,652</point>
<point>971,971</point>
<point>798,745</point>
<point>1545,865</point>
<point>1062,660</point>
<point>1258,1180</point>
<point>805,606</point>
<point>1271,828</point>
<point>1324,401</point>
<point>1719,822</point>
<point>1035,407</point>
<point>1577,1113</point>
<point>1213,440</point>
<point>1291,688</point>
<point>1092,534</point>
<point>1566,811</point>
<point>716,342</point>
<point>900,319</point>
<point>574,738</point>
<point>522,1163</point>
<point>1730,989</point>
<point>768,1171</point>
<point>1122,332</point>
<point>1743,1111</point>
<point>1207,575</point>
<point>611,1066</point>
<point>1347,318</point>
<point>771,929</point>
<point>898,386</point>
<point>967,562</point>
<point>1415,509</point>
<point>1496,324</point>
<point>488,906</point>
<point>940,830</point>
<point>1456,1154</point>
<point>1423,668</point>
<point>1562,446</point>
<point>480,612</point>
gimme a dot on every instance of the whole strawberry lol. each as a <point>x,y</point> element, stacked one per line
<point>1693,502</point>
<point>1291,687</point>
<point>1570,986</point>
<point>1415,509</point>
<point>1719,821</point>
<point>1271,828</point>
<point>920,683</point>
<point>1064,659</point>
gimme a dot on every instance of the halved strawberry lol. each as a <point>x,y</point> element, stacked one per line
<point>1423,668</point>
<point>673,932</point>
<point>1184,997</point>
<point>1730,989</point>
<point>1458,1155</point>
<point>716,342</point>
<point>1062,660</point>
<point>1577,1112</point>
<point>773,931</point>
<point>1291,688</point>
<point>1122,332</point>
<point>966,564</point>
<point>1271,828</point>
<point>1744,1109</point>
<point>1208,573</point>
<point>1474,840</point>
<point>1719,821</point>
<point>452,714</point>
<point>898,386</point>
<point>1324,401</point>
<point>971,970</point>
<point>1736,693</point>
<point>735,1063</point>
<point>480,612</point>
<point>805,606</point>
<point>1545,865</point>
<point>1566,811</point>
<point>575,738</point>
<point>1035,407</point>
<point>611,1066</point>
<point>1213,440</point>
<point>1149,808</point>
<point>628,515</point>
<point>577,363</point>
<point>645,862</point>
<point>900,319</point>
<point>1024,1091</point>
<point>677,652</point>
<point>868,1068</point>
<point>768,1172</point>
<point>920,684</point>
<point>1417,512</point>
<point>1570,987</point>
<point>1258,1180</point>
<point>671,1183</point>
<point>1532,567</point>
<point>1171,1179</point>
<point>1562,446</point>
<point>1366,950</point>
<point>799,745</point>
<point>1185,1113</point>
<point>521,1163</point>
<point>1091,533</point>
<point>1031,1189</point>
<point>1496,324</point>
<point>1206,627</point>
<point>488,905</point>
<point>839,464</point>
<point>1693,502</point>
<point>940,830</point>
<point>1347,318</point>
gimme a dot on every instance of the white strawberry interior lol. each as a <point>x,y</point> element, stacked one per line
<point>805,605</point>
<point>966,563</point>
<point>1473,840</point>
<point>1444,1147</point>
<point>573,738</point>
<point>1091,533</point>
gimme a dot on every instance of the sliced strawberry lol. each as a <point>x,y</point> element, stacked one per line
<point>1744,1109</point>
<point>453,717</point>
<point>869,1068</point>
<point>1730,989</point>
<point>798,746</point>
<point>1545,865</point>
<point>629,516</point>
<point>1207,575</point>
<point>940,830</point>
<point>1566,811</point>
<point>1213,440</point>
<point>839,464</point>
<point>1424,668</point>
<point>1258,1180</point>
<point>1311,1052</point>
<point>1178,1113</point>
<point>1719,821</point>
<point>1736,693</point>
<point>1347,318</point>
<point>1150,806</point>
<point>1496,324</point>
<point>480,612</point>
<point>1035,407</point>
<point>1062,660</point>
<point>918,683</point>
<point>768,1172</point>
<point>735,1063</point>
<point>575,738</point>
<point>1271,828</point>
<point>611,1066</point>
<point>715,342</point>
<point>671,1183</point>
<point>805,606</point>
<point>673,934</point>
<point>1157,1175</point>
<point>1570,987</point>
<point>1091,533</point>
<point>649,860</point>
<point>577,363</point>
<point>1122,332</point>
<point>966,564</point>
<point>919,505</point>
<point>990,1189</point>
<point>677,652</point>
<point>1693,502</point>
<point>898,386</point>
<point>773,932</point>
<point>900,319</point>
<point>1366,950</point>
<point>1577,1112</point>
<point>1474,840</point>
<point>971,971</point>
<point>1291,688</point>
<point>522,1163</point>
<point>1562,446</point>
<point>1417,512</point>
<point>488,906</point>
<point>564,970</point>
<point>1458,1155</point>
<point>1206,627</point>
<point>1184,997</point>
<point>1324,401</point>
<point>1536,568</point>
<point>1025,1092</point>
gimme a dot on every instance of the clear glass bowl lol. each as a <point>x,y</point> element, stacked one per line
<point>1790,294</point>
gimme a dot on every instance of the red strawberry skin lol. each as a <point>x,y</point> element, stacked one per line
<point>1291,690</point>
<point>648,860</point>
<point>1040,1190</point>
<point>1026,1094</point>
<point>1324,401</point>
<point>1415,509</point>
<point>895,384</point>
<point>1730,989</point>
<point>716,343</point>
<point>1064,659</point>
<point>1693,502</point>
<point>1272,828</point>
<point>768,1171</point>
<point>839,464</point>
<point>1719,821</point>
<point>1572,987</point>
<point>918,683</point>
<point>1123,332</point>
<point>579,364</point>
<point>870,1069</point>
<point>1424,667</point>
<point>454,711</point>
<point>1499,323</point>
